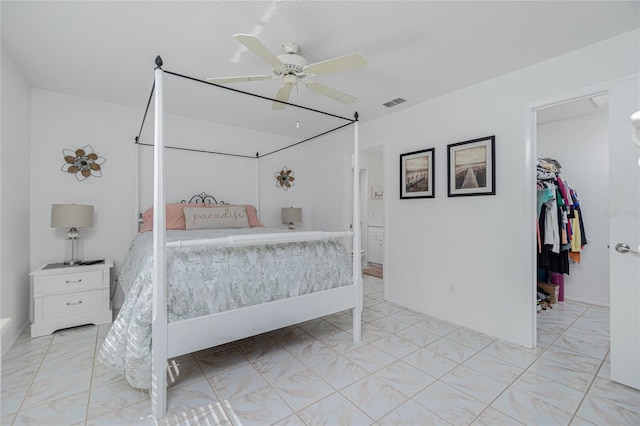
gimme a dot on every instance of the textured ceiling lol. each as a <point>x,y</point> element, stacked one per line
<point>416,50</point>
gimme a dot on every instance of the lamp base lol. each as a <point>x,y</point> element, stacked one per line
<point>291,225</point>
<point>72,262</point>
<point>71,251</point>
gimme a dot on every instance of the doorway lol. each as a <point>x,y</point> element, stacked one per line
<point>623,195</point>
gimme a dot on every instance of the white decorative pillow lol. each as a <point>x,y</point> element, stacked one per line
<point>216,217</point>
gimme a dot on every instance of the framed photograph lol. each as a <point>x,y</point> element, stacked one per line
<point>471,167</point>
<point>417,174</point>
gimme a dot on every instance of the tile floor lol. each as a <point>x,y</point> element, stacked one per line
<point>410,369</point>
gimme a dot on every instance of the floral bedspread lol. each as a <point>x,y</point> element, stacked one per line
<point>205,280</point>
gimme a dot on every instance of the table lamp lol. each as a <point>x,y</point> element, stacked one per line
<point>291,215</point>
<point>71,216</point>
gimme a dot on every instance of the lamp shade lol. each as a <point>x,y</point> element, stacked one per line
<point>71,216</point>
<point>291,214</point>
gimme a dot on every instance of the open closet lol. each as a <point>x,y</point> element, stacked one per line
<point>572,209</point>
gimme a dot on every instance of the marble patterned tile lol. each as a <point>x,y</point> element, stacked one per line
<point>474,383</point>
<point>493,417</point>
<point>449,403</point>
<point>343,321</point>
<point>189,372</point>
<point>68,335</point>
<point>58,387</point>
<point>371,333</point>
<point>605,370</point>
<point>11,400</point>
<point>430,362</point>
<point>61,411</point>
<point>409,317</point>
<point>584,343</point>
<point>278,365</point>
<point>370,358</point>
<point>390,324</point>
<point>437,326</point>
<point>74,346</point>
<point>553,393</point>
<point>195,398</point>
<point>608,402</point>
<point>529,409</point>
<point>18,379</point>
<point>368,314</point>
<point>312,352</point>
<point>578,380</point>
<point>572,359</point>
<point>103,375</point>
<point>373,396</point>
<point>418,336</point>
<point>404,377</point>
<point>340,372</point>
<point>293,420</point>
<point>23,361</point>
<point>495,368</point>
<point>302,389</point>
<point>516,355</point>
<point>113,396</point>
<point>138,413</point>
<point>230,384</point>
<point>412,413</point>
<point>387,308</point>
<point>214,415</point>
<point>219,361</point>
<point>396,346</point>
<point>263,406</point>
<point>321,329</point>
<point>452,350</point>
<point>334,410</point>
<point>341,342</point>
<point>577,421</point>
<point>56,366</point>
<point>470,338</point>
<point>256,348</point>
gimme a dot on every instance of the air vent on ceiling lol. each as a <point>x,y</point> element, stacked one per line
<point>394,102</point>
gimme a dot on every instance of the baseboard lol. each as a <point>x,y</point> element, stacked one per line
<point>587,302</point>
<point>6,349</point>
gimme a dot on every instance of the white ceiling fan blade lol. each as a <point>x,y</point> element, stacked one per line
<point>341,63</point>
<point>283,95</point>
<point>239,79</point>
<point>330,93</point>
<point>256,46</point>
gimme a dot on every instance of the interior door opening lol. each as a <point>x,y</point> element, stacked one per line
<point>574,134</point>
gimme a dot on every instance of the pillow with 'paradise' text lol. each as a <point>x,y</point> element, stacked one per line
<point>216,217</point>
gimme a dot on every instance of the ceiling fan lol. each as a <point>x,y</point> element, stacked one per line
<point>292,68</point>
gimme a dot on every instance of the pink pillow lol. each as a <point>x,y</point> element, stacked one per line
<point>175,216</point>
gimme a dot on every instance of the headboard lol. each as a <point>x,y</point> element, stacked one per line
<point>203,198</point>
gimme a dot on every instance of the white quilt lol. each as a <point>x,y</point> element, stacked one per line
<point>205,280</point>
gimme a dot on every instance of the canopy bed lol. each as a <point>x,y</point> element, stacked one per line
<point>166,313</point>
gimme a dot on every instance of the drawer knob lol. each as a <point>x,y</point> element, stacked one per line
<point>74,303</point>
<point>74,281</point>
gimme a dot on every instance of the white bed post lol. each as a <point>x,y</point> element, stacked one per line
<point>357,267</point>
<point>258,184</point>
<point>159,346</point>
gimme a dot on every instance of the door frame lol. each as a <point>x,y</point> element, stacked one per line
<point>530,326</point>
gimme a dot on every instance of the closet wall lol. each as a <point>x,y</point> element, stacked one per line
<point>580,144</point>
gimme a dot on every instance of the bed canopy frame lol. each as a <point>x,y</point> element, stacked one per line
<point>177,338</point>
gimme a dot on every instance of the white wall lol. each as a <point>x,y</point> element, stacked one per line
<point>62,121</point>
<point>581,145</point>
<point>469,260</point>
<point>15,173</point>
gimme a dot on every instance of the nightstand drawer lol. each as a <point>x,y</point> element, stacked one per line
<point>68,282</point>
<point>62,305</point>
<point>376,234</point>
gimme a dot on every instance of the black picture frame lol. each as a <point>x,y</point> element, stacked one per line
<point>471,167</point>
<point>417,174</point>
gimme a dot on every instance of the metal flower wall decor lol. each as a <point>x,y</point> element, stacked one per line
<point>285,179</point>
<point>83,162</point>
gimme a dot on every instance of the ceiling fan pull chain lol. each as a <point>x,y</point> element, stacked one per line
<point>297,109</point>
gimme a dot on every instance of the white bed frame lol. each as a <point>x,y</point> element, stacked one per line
<point>182,337</point>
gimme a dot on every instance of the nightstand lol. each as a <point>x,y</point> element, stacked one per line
<point>67,296</point>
